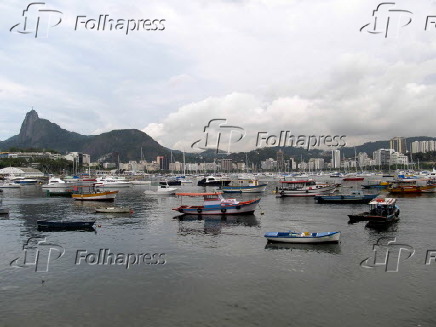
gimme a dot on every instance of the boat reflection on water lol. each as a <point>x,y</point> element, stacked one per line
<point>320,248</point>
<point>213,224</point>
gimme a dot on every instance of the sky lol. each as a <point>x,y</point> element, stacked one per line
<point>307,67</point>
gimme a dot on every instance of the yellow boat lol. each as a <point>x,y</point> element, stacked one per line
<point>411,186</point>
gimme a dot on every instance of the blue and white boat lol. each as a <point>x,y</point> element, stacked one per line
<point>304,237</point>
<point>245,186</point>
<point>353,198</point>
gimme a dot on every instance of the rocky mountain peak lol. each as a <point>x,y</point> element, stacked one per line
<point>26,130</point>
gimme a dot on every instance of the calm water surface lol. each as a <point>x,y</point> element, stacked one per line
<point>218,272</point>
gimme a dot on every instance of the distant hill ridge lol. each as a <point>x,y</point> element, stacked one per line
<point>36,132</point>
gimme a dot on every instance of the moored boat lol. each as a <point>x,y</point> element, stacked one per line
<point>352,179</point>
<point>303,188</point>
<point>215,204</point>
<point>304,237</point>
<point>244,186</point>
<point>114,210</point>
<point>355,197</point>
<point>408,186</point>
<point>213,181</point>
<point>162,189</point>
<point>94,194</point>
<point>381,211</point>
<point>65,225</point>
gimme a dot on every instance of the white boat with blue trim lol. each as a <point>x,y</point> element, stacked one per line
<point>304,237</point>
<point>215,204</point>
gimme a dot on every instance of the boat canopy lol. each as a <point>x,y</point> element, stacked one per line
<point>381,201</point>
<point>198,194</point>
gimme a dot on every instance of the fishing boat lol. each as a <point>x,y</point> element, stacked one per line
<point>380,211</point>
<point>65,225</point>
<point>244,186</point>
<point>94,194</point>
<point>215,204</point>
<point>355,197</point>
<point>162,189</point>
<point>408,186</point>
<point>114,210</point>
<point>303,188</point>
<point>213,181</point>
<point>304,237</point>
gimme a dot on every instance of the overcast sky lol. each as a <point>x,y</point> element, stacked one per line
<point>264,65</point>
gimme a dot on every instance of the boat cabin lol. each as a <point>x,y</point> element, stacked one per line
<point>382,207</point>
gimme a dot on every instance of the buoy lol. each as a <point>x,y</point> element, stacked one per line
<point>98,225</point>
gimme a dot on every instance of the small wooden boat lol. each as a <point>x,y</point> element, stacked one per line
<point>215,204</point>
<point>355,197</point>
<point>65,225</point>
<point>4,211</point>
<point>381,211</point>
<point>114,210</point>
<point>305,237</point>
<point>244,186</point>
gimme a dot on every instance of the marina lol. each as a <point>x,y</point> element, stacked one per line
<point>218,250</point>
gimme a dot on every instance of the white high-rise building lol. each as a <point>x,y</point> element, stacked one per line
<point>336,159</point>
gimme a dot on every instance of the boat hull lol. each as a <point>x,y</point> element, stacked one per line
<point>247,207</point>
<point>344,199</point>
<point>65,225</point>
<point>113,210</point>
<point>308,192</point>
<point>244,189</point>
<point>312,238</point>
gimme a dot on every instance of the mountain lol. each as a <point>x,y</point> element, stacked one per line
<point>36,132</point>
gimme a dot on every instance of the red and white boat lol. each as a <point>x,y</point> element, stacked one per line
<point>215,204</point>
<point>303,188</point>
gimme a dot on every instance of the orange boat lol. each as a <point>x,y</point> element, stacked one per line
<point>411,186</point>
